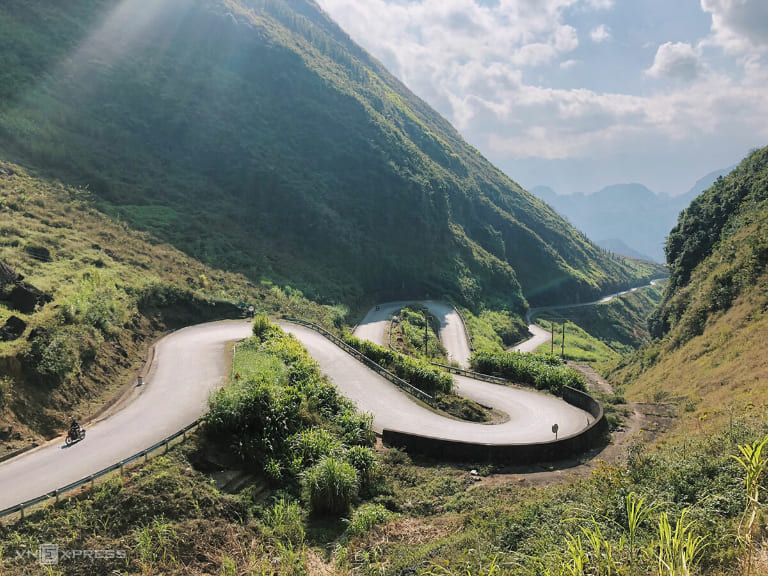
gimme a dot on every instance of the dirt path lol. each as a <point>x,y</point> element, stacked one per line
<point>594,380</point>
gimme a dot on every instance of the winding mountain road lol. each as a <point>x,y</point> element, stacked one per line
<point>452,334</point>
<point>191,363</point>
<point>542,336</point>
<point>531,413</point>
<point>188,365</point>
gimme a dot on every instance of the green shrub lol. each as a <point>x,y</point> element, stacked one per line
<point>418,373</point>
<point>332,485</point>
<point>544,371</point>
<point>283,523</point>
<point>280,415</point>
<point>260,325</point>
<point>364,461</point>
<point>98,303</point>
<point>313,444</point>
<point>255,418</point>
<point>366,517</point>
<point>356,427</point>
<point>56,354</point>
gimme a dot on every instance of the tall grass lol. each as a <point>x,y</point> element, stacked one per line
<point>156,543</point>
<point>754,463</point>
<point>677,549</point>
<point>283,523</point>
<point>332,485</point>
<point>365,518</point>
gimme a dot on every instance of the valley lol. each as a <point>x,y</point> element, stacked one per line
<point>228,213</point>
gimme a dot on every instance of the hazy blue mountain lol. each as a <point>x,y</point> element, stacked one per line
<point>628,219</point>
<point>618,246</point>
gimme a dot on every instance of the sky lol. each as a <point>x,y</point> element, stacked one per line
<point>581,94</point>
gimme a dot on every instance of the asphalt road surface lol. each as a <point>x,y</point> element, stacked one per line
<point>187,366</point>
<point>452,335</point>
<point>190,363</point>
<point>540,336</point>
<point>531,413</point>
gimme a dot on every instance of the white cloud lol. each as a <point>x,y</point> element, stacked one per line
<point>677,60</point>
<point>600,34</point>
<point>739,25</point>
<point>472,61</point>
<point>600,4</point>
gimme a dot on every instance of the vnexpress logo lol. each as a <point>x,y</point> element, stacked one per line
<point>51,554</point>
<point>48,554</point>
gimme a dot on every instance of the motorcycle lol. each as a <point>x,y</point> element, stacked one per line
<point>75,435</point>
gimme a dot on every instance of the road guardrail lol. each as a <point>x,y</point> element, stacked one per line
<point>396,380</point>
<point>91,479</point>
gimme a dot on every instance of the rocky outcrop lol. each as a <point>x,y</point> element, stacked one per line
<point>8,276</point>
<point>26,298</point>
<point>14,327</point>
<point>20,295</point>
<point>6,171</point>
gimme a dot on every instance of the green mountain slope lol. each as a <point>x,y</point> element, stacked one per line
<point>717,251</point>
<point>82,298</point>
<point>712,325</point>
<point>254,135</point>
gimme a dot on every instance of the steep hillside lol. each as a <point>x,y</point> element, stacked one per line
<point>81,299</point>
<point>712,326</point>
<point>254,135</point>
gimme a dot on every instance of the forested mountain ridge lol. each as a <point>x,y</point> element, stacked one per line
<point>712,324</point>
<point>717,250</point>
<point>255,135</point>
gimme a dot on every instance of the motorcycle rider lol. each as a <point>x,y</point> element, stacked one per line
<point>74,428</point>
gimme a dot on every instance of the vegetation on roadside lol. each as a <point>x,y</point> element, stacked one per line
<point>82,296</point>
<point>281,417</point>
<point>580,345</point>
<point>494,330</point>
<point>417,372</point>
<point>408,334</point>
<point>689,503</point>
<point>543,371</point>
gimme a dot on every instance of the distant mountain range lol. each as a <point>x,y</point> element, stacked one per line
<point>627,219</point>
